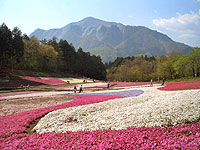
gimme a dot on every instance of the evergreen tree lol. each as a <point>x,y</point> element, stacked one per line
<point>5,44</point>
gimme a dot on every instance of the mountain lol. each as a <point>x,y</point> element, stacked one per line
<point>111,40</point>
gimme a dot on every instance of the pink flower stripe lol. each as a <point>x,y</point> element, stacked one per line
<point>183,136</point>
<point>45,80</point>
<point>16,93</point>
<point>187,85</point>
<point>13,133</point>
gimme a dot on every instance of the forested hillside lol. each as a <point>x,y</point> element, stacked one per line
<point>18,51</point>
<point>143,68</point>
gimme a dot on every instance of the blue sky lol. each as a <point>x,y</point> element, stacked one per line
<point>179,19</point>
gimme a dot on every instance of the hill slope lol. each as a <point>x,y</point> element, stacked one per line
<point>111,40</point>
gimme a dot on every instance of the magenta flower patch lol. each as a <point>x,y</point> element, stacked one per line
<point>45,80</point>
<point>187,85</point>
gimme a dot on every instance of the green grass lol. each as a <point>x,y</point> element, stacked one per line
<point>42,74</point>
<point>184,79</point>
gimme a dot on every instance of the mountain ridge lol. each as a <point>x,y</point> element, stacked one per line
<point>111,40</point>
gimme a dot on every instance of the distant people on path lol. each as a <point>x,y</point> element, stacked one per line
<point>163,81</point>
<point>75,89</point>
<point>81,89</point>
<point>27,87</point>
<point>108,85</point>
<point>151,82</point>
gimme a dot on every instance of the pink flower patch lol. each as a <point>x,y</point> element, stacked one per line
<point>45,80</point>
<point>187,85</point>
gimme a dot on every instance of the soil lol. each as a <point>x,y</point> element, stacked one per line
<point>9,81</point>
<point>13,106</point>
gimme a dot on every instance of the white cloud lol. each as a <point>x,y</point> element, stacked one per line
<point>186,25</point>
<point>187,36</point>
<point>198,0</point>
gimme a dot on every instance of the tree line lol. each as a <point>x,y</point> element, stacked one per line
<point>144,68</point>
<point>18,51</point>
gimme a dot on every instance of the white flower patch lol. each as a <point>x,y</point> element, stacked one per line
<point>153,108</point>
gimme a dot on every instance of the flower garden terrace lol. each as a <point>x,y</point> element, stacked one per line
<point>126,117</point>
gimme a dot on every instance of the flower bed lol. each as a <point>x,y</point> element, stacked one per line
<point>187,85</point>
<point>153,108</point>
<point>126,93</point>
<point>45,80</point>
<point>185,136</point>
<point>75,80</point>
<point>13,133</point>
<point>14,126</point>
<point>104,85</point>
<point>100,86</point>
<point>85,86</point>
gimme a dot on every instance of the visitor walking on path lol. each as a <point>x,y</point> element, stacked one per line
<point>81,89</point>
<point>151,82</point>
<point>163,81</point>
<point>75,89</point>
<point>108,85</point>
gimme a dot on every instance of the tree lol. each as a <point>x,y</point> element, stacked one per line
<point>68,56</point>
<point>31,54</point>
<point>181,66</point>
<point>25,37</point>
<point>11,46</point>
<point>166,68</point>
<point>194,61</point>
<point>17,51</point>
<point>48,58</point>
<point>5,44</point>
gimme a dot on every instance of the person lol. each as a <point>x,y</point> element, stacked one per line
<point>81,89</point>
<point>75,89</point>
<point>151,82</point>
<point>28,87</point>
<point>108,85</point>
<point>163,81</point>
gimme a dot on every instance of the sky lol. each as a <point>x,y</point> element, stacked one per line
<point>179,19</point>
